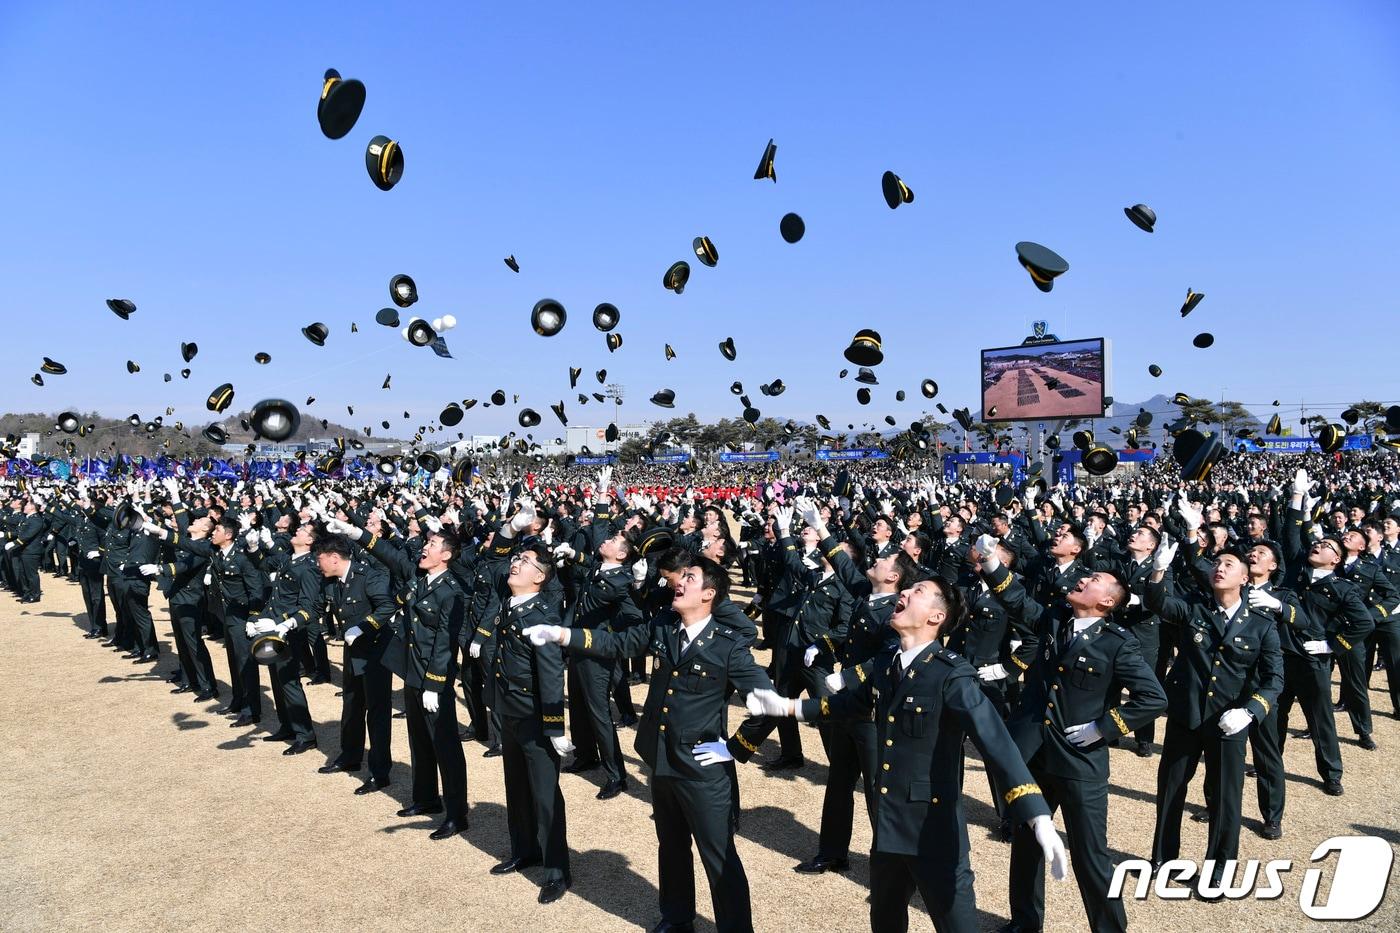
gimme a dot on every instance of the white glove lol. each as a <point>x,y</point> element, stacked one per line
<point>833,683</point>
<point>245,521</point>
<point>1258,599</point>
<point>93,554</point>
<point>604,478</point>
<point>1164,555</point>
<point>562,746</point>
<point>430,701</point>
<point>265,536</point>
<point>762,702</point>
<point>48,538</point>
<point>282,628</point>
<point>208,579</point>
<point>1301,485</point>
<point>1189,513</point>
<point>1032,493</point>
<point>154,531</point>
<point>639,572</point>
<point>541,635</point>
<point>1317,647</point>
<point>1083,735</point>
<point>564,552</point>
<point>352,633</point>
<point>712,753</point>
<point>9,545</point>
<point>1316,532</point>
<point>806,508</point>
<point>524,518</point>
<point>1234,721</point>
<point>810,655</point>
<point>992,672</point>
<point>784,520</point>
<point>251,629</point>
<point>148,570</point>
<point>474,649</point>
<point>263,626</point>
<point>251,539</point>
<point>172,488</point>
<point>432,523</point>
<point>1134,599</point>
<point>1050,846</point>
<point>987,547</point>
<point>337,527</point>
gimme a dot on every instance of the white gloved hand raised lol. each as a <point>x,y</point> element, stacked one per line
<point>251,539</point>
<point>1234,721</point>
<point>810,655</point>
<point>541,635</point>
<point>524,518</point>
<point>712,753</point>
<point>430,701</point>
<point>784,520</point>
<point>337,527</point>
<point>1258,599</point>
<point>1083,735</point>
<point>987,547</point>
<point>639,572</point>
<point>352,633</point>
<point>1164,555</point>
<point>1301,484</point>
<point>1050,846</point>
<point>991,672</point>
<point>1189,513</point>
<point>564,552</point>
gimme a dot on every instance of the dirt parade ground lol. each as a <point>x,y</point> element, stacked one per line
<point>127,808</point>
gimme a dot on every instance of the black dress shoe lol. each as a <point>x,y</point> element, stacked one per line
<point>1272,830</point>
<point>448,829</point>
<point>783,764</point>
<point>612,789</point>
<point>206,696</point>
<point>370,787</point>
<point>665,926</point>
<point>553,890</point>
<point>91,635</point>
<point>1143,750</point>
<point>1201,817</point>
<point>1305,734</point>
<point>1332,788</point>
<point>131,654</point>
<point>109,643</point>
<point>337,766</point>
<point>296,748</point>
<point>627,722</point>
<point>182,689</point>
<point>513,864</point>
<point>227,710</point>
<point>281,735</point>
<point>319,680</point>
<point>1251,771</point>
<point>580,765</point>
<point>1339,707</point>
<point>425,810</point>
<point>146,658</point>
<point>243,722</point>
<point>1366,742</point>
<point>466,733</point>
<point>176,677</point>
<point>400,715</point>
<point>493,751</point>
<point>819,865</point>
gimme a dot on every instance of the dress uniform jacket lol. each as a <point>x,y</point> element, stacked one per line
<point>687,696</point>
<point>529,679</point>
<point>1219,668</point>
<point>1080,683</point>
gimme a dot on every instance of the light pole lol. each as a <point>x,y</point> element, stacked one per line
<point>616,390</point>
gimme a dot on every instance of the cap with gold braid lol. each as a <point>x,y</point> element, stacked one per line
<point>1275,425</point>
<point>548,317</point>
<point>865,349</point>
<point>727,348</point>
<point>676,277</point>
<point>896,191</point>
<point>606,316</point>
<point>340,104</point>
<point>614,341</point>
<point>765,165</point>
<point>220,398</point>
<point>384,162</point>
<point>1044,264</point>
<point>1192,299</point>
<point>670,354</point>
<point>53,368</point>
<point>705,251</point>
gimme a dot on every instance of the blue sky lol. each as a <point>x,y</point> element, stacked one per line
<point>169,153</point>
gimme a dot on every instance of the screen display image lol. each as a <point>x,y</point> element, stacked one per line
<point>1064,379</point>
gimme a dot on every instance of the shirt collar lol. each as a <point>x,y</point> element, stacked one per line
<point>906,657</point>
<point>1319,574</point>
<point>609,565</point>
<point>1229,614</point>
<point>428,580</point>
<point>692,631</point>
<point>1081,624</point>
<point>880,597</point>
<point>518,600</point>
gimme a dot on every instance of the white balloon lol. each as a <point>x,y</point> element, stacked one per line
<point>448,322</point>
<point>404,332</point>
<point>437,323</point>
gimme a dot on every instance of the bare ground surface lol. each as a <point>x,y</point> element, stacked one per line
<point>127,808</point>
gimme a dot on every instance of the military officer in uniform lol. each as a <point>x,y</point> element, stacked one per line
<point>696,663</point>
<point>926,701</point>
<point>297,598</point>
<point>1069,706</point>
<point>89,563</point>
<point>529,692</point>
<point>183,583</point>
<point>1226,677</point>
<point>357,593</point>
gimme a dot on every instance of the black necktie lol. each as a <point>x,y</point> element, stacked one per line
<point>896,670</point>
<point>1066,636</point>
